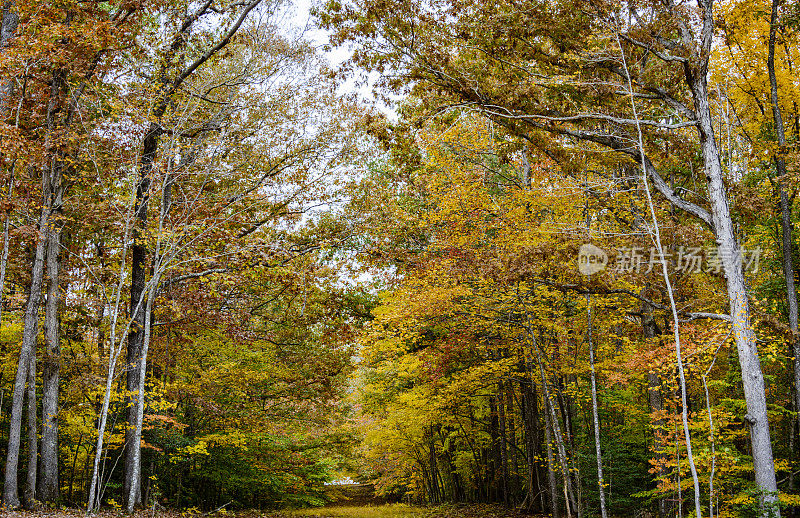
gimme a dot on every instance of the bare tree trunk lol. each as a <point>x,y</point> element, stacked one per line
<point>138,316</point>
<point>711,439</point>
<point>785,205</point>
<point>27,354</point>
<point>135,473</point>
<point>668,283</point>
<point>752,375</point>
<point>6,239</point>
<point>512,441</point>
<point>115,349</point>
<point>552,484</point>
<point>595,417</point>
<point>29,493</point>
<point>501,421</point>
<point>8,26</point>
<point>570,503</point>
<point>49,491</point>
<point>730,253</point>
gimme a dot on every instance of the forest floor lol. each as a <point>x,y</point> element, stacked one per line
<point>404,511</point>
<point>366,511</point>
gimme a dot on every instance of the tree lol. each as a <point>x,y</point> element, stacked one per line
<point>536,73</point>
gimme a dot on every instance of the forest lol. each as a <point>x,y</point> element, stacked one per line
<point>488,258</point>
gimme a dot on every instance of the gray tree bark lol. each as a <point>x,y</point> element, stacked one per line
<point>29,493</point>
<point>49,491</point>
<point>785,205</point>
<point>552,483</point>
<point>51,176</point>
<point>595,417</point>
<point>135,470</point>
<point>8,26</point>
<point>26,356</point>
<point>730,254</point>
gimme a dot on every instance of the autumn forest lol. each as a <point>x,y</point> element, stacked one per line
<point>482,258</point>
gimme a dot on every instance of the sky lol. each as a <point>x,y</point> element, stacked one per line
<point>302,20</point>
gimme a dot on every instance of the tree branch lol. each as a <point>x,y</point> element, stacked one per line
<point>601,291</point>
<point>618,144</point>
<point>196,275</point>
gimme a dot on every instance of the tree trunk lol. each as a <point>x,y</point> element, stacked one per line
<point>530,420</point>
<point>496,462</point>
<point>6,240</point>
<point>595,417</point>
<point>27,354</point>
<point>550,412</point>
<point>138,312</point>
<point>513,481</point>
<point>135,474</point>
<point>785,205</point>
<point>501,422</point>
<point>434,470</point>
<point>8,26</point>
<point>51,370</point>
<point>552,483</point>
<point>730,254</point>
<point>115,349</point>
<point>29,493</point>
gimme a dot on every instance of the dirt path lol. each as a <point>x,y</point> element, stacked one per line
<point>340,511</point>
<point>404,511</point>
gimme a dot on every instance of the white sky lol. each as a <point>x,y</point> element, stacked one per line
<point>301,20</point>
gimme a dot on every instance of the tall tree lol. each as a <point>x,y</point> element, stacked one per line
<point>171,77</point>
<point>514,65</point>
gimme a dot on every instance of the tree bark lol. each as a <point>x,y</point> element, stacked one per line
<point>730,254</point>
<point>29,493</point>
<point>49,491</point>
<point>552,483</point>
<point>785,205</point>
<point>27,354</point>
<point>570,503</point>
<point>530,419</point>
<point>138,310</point>
<point>595,418</point>
<point>496,460</point>
<point>6,242</point>
<point>135,470</point>
<point>51,202</point>
<point>501,422</point>
<point>511,425</point>
<point>8,26</point>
